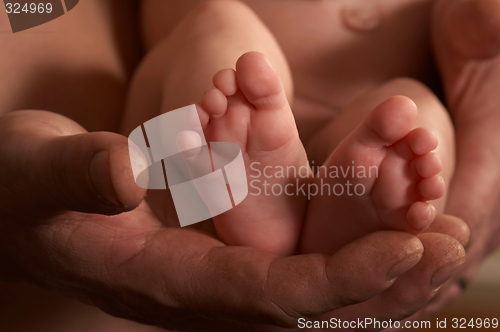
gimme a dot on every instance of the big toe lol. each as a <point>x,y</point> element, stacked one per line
<point>272,125</point>
<point>259,82</point>
<point>388,123</point>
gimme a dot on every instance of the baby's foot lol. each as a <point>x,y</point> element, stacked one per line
<point>395,174</point>
<point>249,107</point>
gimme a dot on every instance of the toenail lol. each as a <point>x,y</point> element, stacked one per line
<point>431,214</point>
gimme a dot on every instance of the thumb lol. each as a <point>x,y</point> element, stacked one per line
<point>50,163</point>
<point>231,284</point>
<point>475,189</point>
<point>472,27</point>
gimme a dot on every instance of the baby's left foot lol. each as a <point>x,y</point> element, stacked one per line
<point>379,178</point>
<point>249,107</point>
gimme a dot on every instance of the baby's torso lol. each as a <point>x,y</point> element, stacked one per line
<point>338,49</point>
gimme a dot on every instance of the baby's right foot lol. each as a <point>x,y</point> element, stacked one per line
<point>379,178</point>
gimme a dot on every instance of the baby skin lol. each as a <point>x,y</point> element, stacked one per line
<point>391,132</point>
<point>248,107</point>
<point>393,173</point>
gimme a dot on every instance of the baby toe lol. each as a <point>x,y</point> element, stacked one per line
<point>431,188</point>
<point>421,215</point>
<point>428,165</point>
<point>189,143</point>
<point>422,141</point>
<point>388,123</point>
<point>226,81</point>
<point>203,116</point>
<point>214,102</point>
<point>260,82</point>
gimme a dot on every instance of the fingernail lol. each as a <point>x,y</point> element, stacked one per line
<point>101,177</point>
<point>444,274</point>
<point>403,267</point>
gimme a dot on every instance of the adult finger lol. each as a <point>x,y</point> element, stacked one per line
<point>249,285</point>
<point>475,188</point>
<point>472,27</point>
<point>412,291</point>
<point>475,255</point>
<point>445,297</point>
<point>452,226</point>
<point>50,163</point>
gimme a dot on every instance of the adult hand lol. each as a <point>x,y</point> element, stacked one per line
<point>443,256</point>
<point>466,37</point>
<point>54,175</point>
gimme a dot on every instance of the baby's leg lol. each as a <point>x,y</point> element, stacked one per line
<point>248,107</point>
<point>180,66</point>
<point>407,171</point>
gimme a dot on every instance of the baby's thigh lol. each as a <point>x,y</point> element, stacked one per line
<point>188,44</point>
